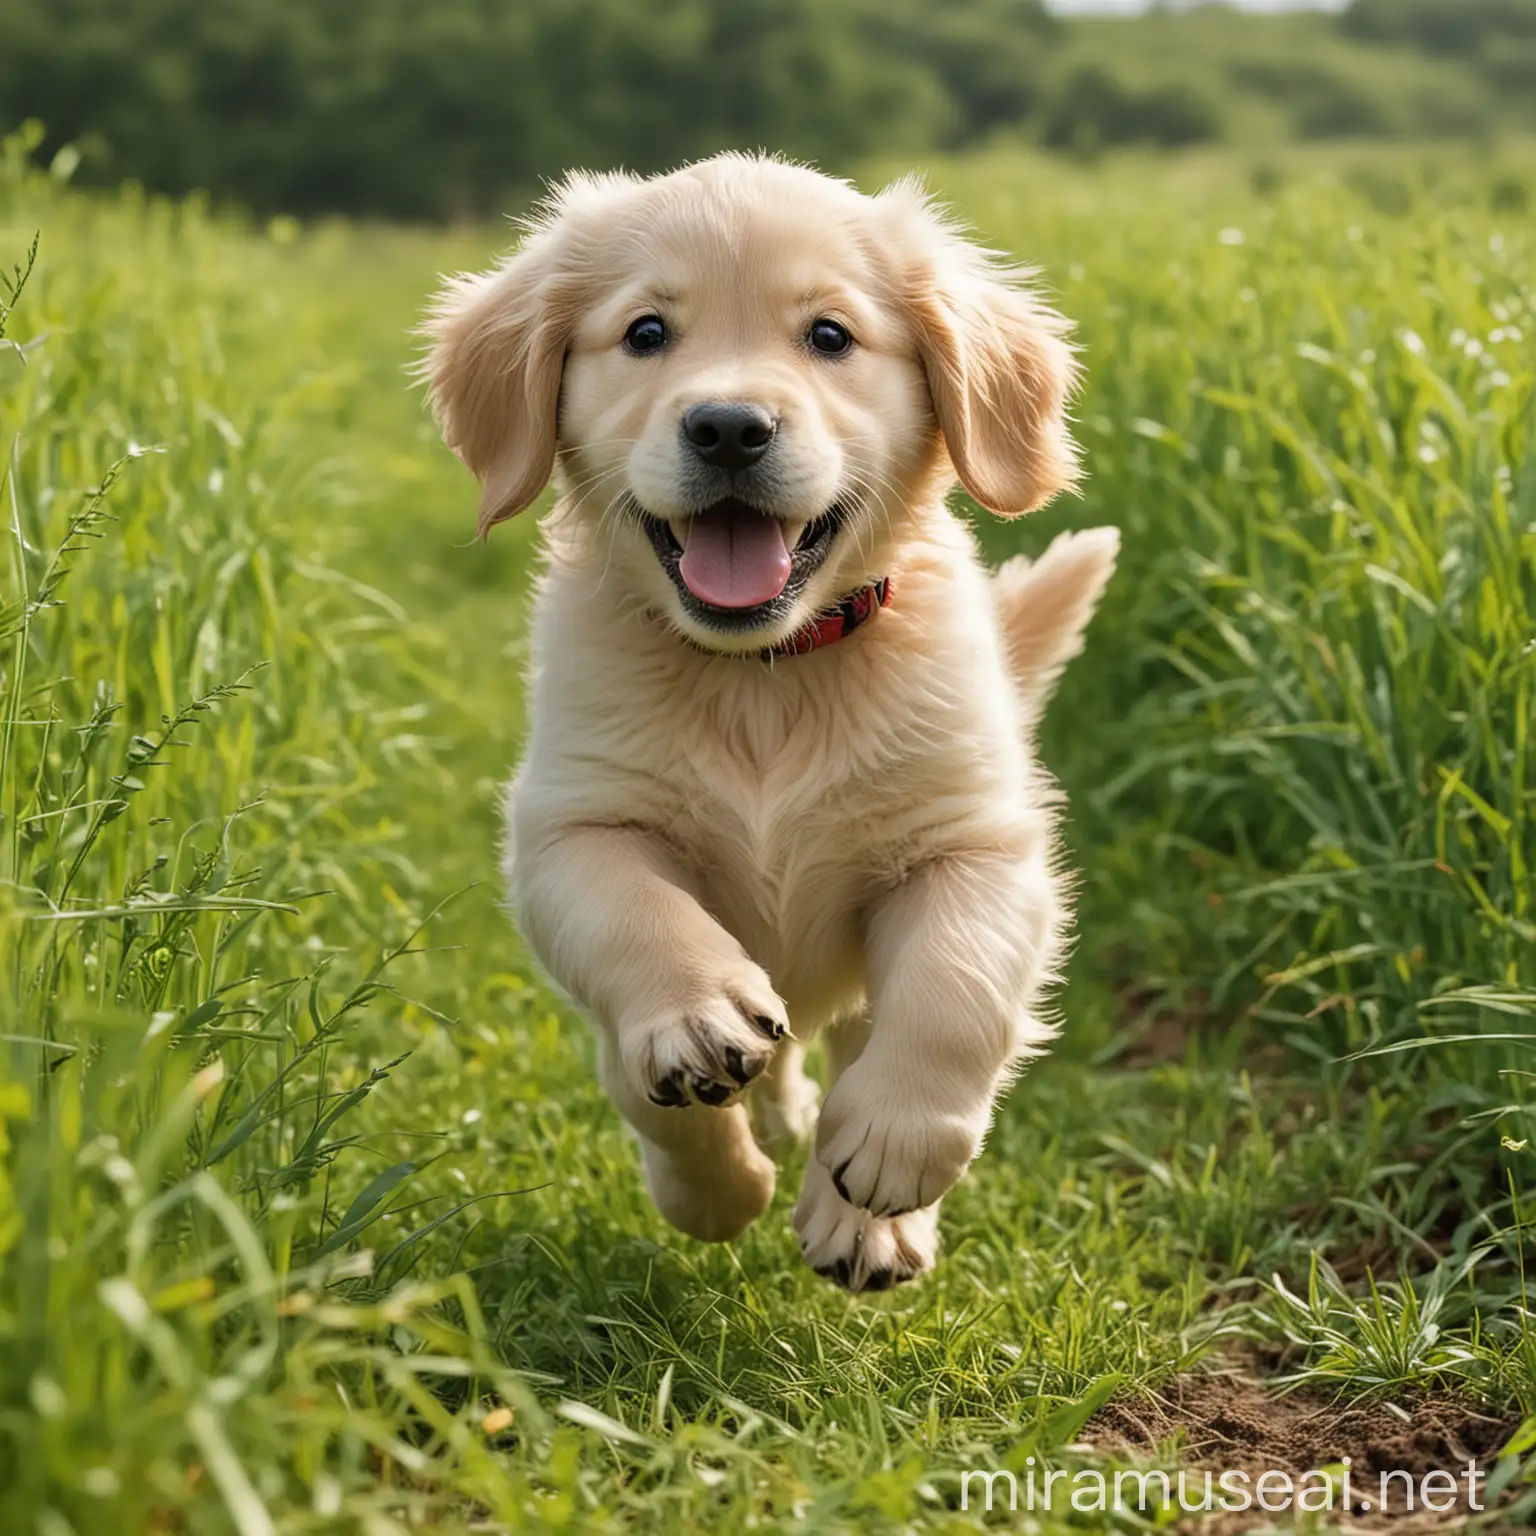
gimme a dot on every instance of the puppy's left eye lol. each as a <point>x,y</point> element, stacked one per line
<point>829,338</point>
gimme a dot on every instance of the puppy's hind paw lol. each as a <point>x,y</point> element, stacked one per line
<point>707,1049</point>
<point>785,1102</point>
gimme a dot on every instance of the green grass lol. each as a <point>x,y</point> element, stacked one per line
<point>305,1175</point>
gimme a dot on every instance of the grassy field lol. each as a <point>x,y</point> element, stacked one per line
<point>311,1215</point>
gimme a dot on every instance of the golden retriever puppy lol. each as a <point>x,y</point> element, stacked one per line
<point>779,774</point>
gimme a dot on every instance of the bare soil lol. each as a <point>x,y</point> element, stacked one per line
<point>1233,1422</point>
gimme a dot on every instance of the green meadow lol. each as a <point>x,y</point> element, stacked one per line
<point>312,1217</point>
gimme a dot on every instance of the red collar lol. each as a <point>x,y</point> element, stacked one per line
<point>828,627</point>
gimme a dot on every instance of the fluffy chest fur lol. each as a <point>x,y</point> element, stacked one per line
<point>791,793</point>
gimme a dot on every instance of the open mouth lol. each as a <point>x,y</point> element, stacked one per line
<point>736,567</point>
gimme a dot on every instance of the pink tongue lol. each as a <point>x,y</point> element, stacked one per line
<point>735,558</point>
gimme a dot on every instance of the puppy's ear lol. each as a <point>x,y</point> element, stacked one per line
<point>1000,369</point>
<point>497,347</point>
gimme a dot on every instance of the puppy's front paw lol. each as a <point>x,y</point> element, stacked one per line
<point>858,1251</point>
<point>887,1151</point>
<point>706,1050</point>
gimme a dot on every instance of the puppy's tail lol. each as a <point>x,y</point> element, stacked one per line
<point>1045,605</point>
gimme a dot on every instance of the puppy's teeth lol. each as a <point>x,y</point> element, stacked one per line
<point>793,533</point>
<point>680,527</point>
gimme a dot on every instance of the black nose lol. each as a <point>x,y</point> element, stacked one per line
<point>731,435</point>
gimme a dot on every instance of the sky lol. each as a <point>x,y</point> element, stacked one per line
<point>1130,7</point>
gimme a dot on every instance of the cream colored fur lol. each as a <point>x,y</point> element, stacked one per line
<point>706,848</point>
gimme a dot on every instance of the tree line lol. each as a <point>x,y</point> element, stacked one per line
<point>441,108</point>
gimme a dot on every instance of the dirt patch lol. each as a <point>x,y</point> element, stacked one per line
<point>1156,1028</point>
<point>1157,1038</point>
<point>1233,1423</point>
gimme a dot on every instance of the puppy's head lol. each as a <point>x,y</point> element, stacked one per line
<point>746,376</point>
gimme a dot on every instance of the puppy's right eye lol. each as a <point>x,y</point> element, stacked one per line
<point>646,335</point>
